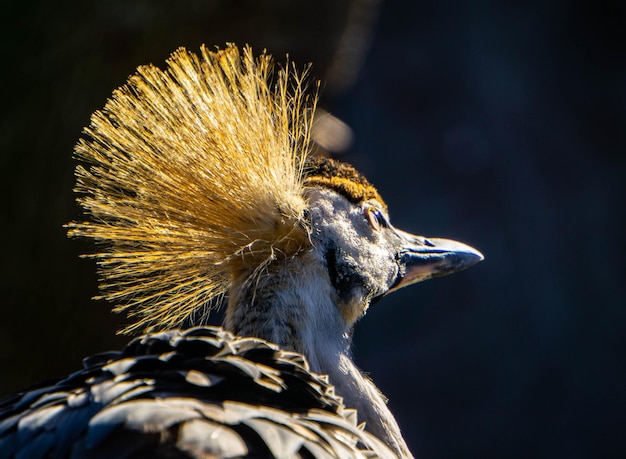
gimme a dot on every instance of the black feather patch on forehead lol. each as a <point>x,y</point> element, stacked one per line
<point>340,177</point>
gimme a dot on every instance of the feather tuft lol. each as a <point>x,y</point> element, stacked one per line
<point>192,177</point>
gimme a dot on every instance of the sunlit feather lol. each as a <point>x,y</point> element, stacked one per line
<point>191,177</point>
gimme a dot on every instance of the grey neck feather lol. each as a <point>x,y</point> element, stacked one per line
<point>295,309</point>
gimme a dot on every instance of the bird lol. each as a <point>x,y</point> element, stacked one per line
<point>201,190</point>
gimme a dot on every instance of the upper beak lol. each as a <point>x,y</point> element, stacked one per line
<point>423,258</point>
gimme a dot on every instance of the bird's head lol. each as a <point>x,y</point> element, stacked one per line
<point>365,256</point>
<point>197,181</point>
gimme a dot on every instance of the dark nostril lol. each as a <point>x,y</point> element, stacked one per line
<point>428,243</point>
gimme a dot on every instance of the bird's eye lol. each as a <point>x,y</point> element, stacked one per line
<point>375,218</point>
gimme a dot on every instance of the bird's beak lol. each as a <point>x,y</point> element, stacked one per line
<point>423,258</point>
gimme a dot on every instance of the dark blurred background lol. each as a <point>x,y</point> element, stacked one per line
<point>502,124</point>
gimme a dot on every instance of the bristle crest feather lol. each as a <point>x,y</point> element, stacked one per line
<point>192,176</point>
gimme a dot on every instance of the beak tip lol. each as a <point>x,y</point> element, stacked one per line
<point>468,254</point>
<point>478,257</point>
<point>465,255</point>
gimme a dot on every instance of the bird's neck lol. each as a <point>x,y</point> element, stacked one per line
<point>295,309</point>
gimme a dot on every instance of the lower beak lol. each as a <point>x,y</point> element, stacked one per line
<point>422,258</point>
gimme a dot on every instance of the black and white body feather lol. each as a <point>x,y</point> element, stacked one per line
<point>201,392</point>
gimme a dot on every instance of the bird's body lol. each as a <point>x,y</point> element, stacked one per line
<point>200,186</point>
<point>198,393</point>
